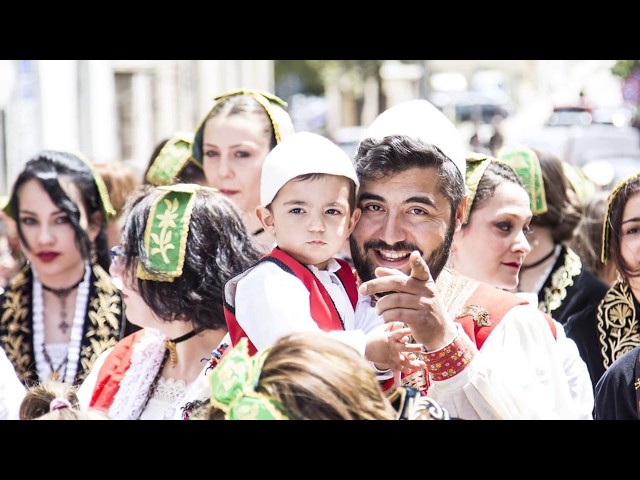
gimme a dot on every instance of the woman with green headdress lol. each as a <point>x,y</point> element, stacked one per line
<point>497,217</point>
<point>231,143</point>
<point>62,310</point>
<point>552,273</point>
<point>609,327</point>
<point>496,223</point>
<point>180,243</point>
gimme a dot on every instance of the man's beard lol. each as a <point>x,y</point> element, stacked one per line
<point>366,269</point>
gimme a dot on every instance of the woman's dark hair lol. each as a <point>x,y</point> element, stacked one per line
<point>615,222</point>
<point>47,167</point>
<point>587,242</point>
<point>495,174</point>
<point>192,173</point>
<point>218,246</point>
<point>564,209</point>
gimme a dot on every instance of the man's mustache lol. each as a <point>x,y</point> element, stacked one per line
<point>396,247</point>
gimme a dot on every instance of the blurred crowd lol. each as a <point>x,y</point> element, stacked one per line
<point>255,272</point>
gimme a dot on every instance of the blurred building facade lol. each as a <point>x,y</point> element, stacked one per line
<point>119,109</point>
<point>109,109</point>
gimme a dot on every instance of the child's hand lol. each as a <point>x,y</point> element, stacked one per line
<point>388,347</point>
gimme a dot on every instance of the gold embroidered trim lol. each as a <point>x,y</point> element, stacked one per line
<point>100,332</point>
<point>105,316</point>
<point>477,164</point>
<point>15,326</point>
<point>561,279</point>
<point>454,290</point>
<point>480,315</point>
<point>417,380</point>
<point>618,329</point>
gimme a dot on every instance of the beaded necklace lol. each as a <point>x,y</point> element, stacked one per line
<point>44,365</point>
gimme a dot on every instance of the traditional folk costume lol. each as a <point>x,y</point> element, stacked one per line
<point>504,362</point>
<point>98,323</point>
<point>279,295</point>
<point>126,381</point>
<point>609,326</point>
<point>99,316</point>
<point>567,287</point>
<point>287,296</point>
<point>520,371</point>
<point>618,390</point>
<point>606,330</point>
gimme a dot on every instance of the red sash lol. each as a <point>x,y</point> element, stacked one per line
<point>497,302</point>
<point>322,308</point>
<point>113,370</point>
<point>494,301</point>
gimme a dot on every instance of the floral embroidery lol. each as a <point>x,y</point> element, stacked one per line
<point>618,326</point>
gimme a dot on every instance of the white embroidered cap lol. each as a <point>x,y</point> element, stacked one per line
<point>299,154</point>
<point>423,120</point>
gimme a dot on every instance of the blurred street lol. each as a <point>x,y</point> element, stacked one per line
<point>119,109</point>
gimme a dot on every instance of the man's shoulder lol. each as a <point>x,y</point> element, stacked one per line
<point>495,294</point>
<point>484,293</point>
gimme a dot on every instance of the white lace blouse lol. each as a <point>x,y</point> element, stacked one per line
<point>130,402</point>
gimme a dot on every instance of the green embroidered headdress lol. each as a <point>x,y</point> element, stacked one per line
<point>476,165</point>
<point>233,386</point>
<point>273,105</point>
<point>580,182</point>
<point>171,160</point>
<point>166,232</point>
<point>526,164</point>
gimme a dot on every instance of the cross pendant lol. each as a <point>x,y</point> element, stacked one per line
<point>64,326</point>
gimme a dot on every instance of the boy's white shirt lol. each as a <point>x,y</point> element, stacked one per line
<point>130,402</point>
<point>271,303</point>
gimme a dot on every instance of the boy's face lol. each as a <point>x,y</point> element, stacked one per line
<point>311,219</point>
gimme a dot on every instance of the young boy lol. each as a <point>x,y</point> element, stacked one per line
<point>308,203</point>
